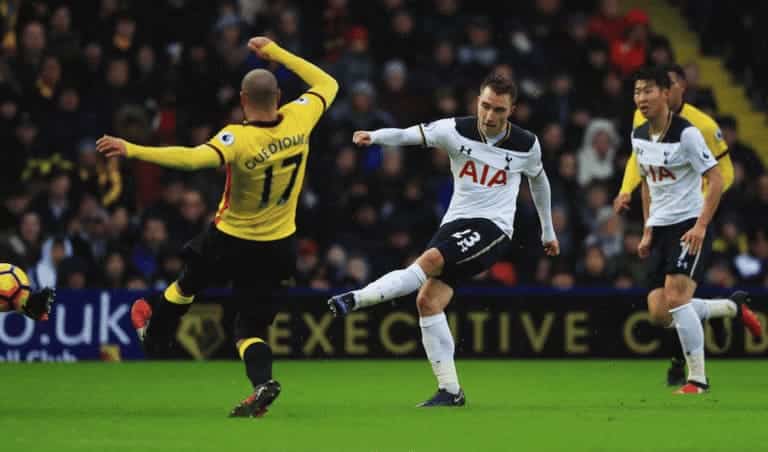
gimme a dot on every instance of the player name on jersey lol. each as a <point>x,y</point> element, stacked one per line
<point>274,147</point>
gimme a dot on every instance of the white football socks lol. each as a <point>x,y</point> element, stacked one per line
<point>394,284</point>
<point>714,308</point>
<point>691,335</point>
<point>438,343</point>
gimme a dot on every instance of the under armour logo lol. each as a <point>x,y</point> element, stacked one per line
<point>508,159</point>
<point>465,150</point>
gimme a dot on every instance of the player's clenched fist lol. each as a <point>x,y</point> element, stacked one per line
<point>552,248</point>
<point>111,146</point>
<point>621,202</point>
<point>257,44</point>
<point>362,138</point>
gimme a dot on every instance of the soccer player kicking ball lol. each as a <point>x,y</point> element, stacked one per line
<point>265,159</point>
<point>488,156</point>
<point>672,157</point>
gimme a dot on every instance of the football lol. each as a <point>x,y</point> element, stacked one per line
<point>14,287</point>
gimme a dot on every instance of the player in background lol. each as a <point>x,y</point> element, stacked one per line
<point>716,144</point>
<point>251,242</point>
<point>488,156</point>
<point>672,157</point>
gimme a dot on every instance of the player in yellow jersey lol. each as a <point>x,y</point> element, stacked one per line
<point>265,159</point>
<point>716,144</point>
<point>706,125</point>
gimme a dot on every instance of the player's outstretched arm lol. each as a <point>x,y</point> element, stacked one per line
<point>542,199</point>
<point>411,136</point>
<point>319,81</point>
<point>177,157</point>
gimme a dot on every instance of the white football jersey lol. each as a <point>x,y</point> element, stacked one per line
<point>672,168</point>
<point>486,178</point>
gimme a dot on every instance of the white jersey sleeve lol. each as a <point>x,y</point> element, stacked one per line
<point>437,134</point>
<point>696,150</point>
<point>533,165</point>
<point>397,137</point>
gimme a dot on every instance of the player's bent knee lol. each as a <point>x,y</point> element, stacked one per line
<point>431,261</point>
<point>428,305</point>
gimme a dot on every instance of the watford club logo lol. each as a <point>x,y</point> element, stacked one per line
<point>200,331</point>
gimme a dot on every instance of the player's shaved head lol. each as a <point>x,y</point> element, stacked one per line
<point>260,88</point>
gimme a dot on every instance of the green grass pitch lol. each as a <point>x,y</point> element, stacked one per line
<point>369,406</point>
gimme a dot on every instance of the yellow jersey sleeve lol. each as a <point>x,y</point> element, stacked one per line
<point>307,109</point>
<point>715,142</point>
<point>227,143</point>
<point>713,137</point>
<point>322,87</point>
<point>177,157</point>
<point>632,176</point>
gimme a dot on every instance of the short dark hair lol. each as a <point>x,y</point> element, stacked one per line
<point>654,74</point>
<point>500,84</point>
<point>676,68</point>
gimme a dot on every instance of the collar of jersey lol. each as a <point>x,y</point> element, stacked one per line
<point>484,139</point>
<point>272,123</point>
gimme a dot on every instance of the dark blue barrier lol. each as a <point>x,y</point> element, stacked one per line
<point>487,322</point>
<point>88,324</point>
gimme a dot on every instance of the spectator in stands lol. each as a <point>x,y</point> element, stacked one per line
<point>660,52</point>
<point>629,263</point>
<point>98,176</point>
<point>595,271</point>
<point>64,42</point>
<point>607,23</point>
<point>628,54</point>
<point>193,217</point>
<point>153,238</point>
<point>398,95</point>
<point>446,21</point>
<point>608,234</point>
<point>697,95</point>
<point>73,273</point>
<point>598,151</point>
<point>752,267</point>
<point>740,152</point>
<point>115,271</point>
<point>479,54</point>
<point>359,112</point>
<point>44,273</point>
<point>404,40</point>
<point>443,69</point>
<point>22,247</point>
<point>29,56</point>
<point>55,206</point>
<point>356,63</point>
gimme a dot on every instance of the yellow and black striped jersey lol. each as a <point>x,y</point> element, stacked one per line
<point>265,165</point>
<point>265,161</point>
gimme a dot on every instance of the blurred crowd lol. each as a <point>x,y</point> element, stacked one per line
<point>168,72</point>
<point>745,51</point>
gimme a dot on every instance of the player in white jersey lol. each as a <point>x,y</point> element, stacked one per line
<point>488,157</point>
<point>672,157</point>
